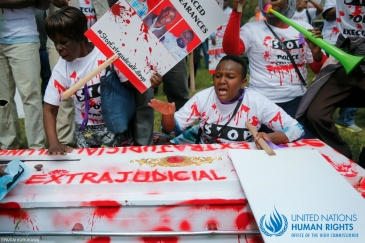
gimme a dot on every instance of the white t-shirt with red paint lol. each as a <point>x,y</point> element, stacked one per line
<point>87,7</point>
<point>330,30</point>
<point>271,71</point>
<point>65,74</point>
<point>351,18</point>
<point>213,115</point>
<point>302,16</point>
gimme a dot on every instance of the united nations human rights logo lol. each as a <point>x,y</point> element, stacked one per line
<point>275,225</point>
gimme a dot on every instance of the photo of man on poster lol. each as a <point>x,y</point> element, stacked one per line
<point>157,23</point>
<point>177,46</point>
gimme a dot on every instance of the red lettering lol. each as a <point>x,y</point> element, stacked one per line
<point>105,177</point>
<point>3,152</point>
<point>171,175</point>
<point>241,145</point>
<point>216,177</point>
<point>194,175</point>
<point>180,147</point>
<point>72,176</point>
<point>125,176</point>
<point>124,150</point>
<point>91,151</point>
<point>115,150</point>
<point>197,147</point>
<point>101,151</point>
<point>80,151</point>
<point>163,149</point>
<point>204,174</point>
<point>145,174</point>
<point>210,148</point>
<point>89,177</point>
<point>225,146</point>
<point>34,179</point>
<point>55,179</point>
<point>146,148</point>
<point>179,177</point>
<point>313,142</point>
<point>136,149</point>
<point>59,88</point>
<point>157,176</point>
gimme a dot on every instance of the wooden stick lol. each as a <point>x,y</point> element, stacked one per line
<point>261,141</point>
<point>239,8</point>
<point>191,67</point>
<point>88,77</point>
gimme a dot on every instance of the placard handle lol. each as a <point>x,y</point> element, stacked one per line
<point>88,77</point>
<point>261,141</point>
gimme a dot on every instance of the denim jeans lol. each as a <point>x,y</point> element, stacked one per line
<point>346,116</point>
<point>118,103</point>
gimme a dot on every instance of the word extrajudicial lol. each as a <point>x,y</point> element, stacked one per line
<point>124,176</point>
<point>194,13</point>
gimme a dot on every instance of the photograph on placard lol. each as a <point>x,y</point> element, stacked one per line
<point>162,18</point>
<point>180,40</point>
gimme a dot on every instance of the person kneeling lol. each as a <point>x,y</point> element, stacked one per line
<point>222,111</point>
<point>109,90</point>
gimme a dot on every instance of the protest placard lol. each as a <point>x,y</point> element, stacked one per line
<point>153,38</point>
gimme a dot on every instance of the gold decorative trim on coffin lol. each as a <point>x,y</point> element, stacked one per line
<point>176,161</point>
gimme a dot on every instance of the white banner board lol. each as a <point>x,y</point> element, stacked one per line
<point>297,196</point>
<point>142,46</point>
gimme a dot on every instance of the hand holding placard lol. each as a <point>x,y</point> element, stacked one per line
<point>261,141</point>
<point>88,77</point>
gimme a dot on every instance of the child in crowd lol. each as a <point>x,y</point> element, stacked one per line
<point>79,57</point>
<point>222,110</point>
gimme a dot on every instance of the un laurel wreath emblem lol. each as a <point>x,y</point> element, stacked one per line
<point>275,226</point>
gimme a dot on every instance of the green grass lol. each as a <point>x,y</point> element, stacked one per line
<point>203,80</point>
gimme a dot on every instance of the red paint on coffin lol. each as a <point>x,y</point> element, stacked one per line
<point>210,204</point>
<point>169,239</point>
<point>13,210</point>
<point>100,239</point>
<point>105,208</point>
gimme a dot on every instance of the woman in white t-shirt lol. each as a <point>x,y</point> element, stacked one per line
<point>214,109</point>
<point>79,57</point>
<point>272,72</point>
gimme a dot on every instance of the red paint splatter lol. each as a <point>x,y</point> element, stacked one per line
<point>13,210</point>
<point>144,31</point>
<point>277,118</point>
<point>342,13</point>
<point>338,20</point>
<point>185,226</point>
<point>267,39</point>
<point>150,49</point>
<point>171,239</point>
<point>105,208</point>
<point>121,13</point>
<point>58,172</point>
<point>281,70</point>
<point>150,66</point>
<point>210,204</point>
<point>194,111</point>
<point>100,239</point>
<point>254,121</point>
<point>358,11</point>
<point>239,113</point>
<point>358,26</point>
<point>175,159</point>
<point>347,170</point>
<point>243,220</point>
<point>266,55</point>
